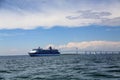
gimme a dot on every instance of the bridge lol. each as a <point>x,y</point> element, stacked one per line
<point>89,52</point>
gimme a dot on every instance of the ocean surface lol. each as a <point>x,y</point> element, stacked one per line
<point>63,67</point>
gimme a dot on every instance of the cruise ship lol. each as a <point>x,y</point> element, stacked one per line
<point>43,52</point>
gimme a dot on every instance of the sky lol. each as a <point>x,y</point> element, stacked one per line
<point>63,24</point>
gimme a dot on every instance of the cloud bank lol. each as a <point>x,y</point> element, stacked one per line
<point>91,45</point>
<point>30,14</point>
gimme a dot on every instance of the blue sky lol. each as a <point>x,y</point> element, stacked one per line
<point>86,24</point>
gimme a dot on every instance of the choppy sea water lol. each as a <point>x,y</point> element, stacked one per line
<point>63,67</point>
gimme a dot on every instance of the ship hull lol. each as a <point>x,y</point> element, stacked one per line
<point>37,55</point>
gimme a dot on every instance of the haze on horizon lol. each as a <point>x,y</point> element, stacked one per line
<point>63,24</point>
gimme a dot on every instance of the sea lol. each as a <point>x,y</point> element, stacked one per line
<point>62,67</point>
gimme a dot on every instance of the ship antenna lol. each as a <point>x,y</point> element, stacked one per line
<point>38,47</point>
<point>76,50</point>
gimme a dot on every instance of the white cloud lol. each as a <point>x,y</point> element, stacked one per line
<point>30,14</point>
<point>111,22</point>
<point>91,45</point>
